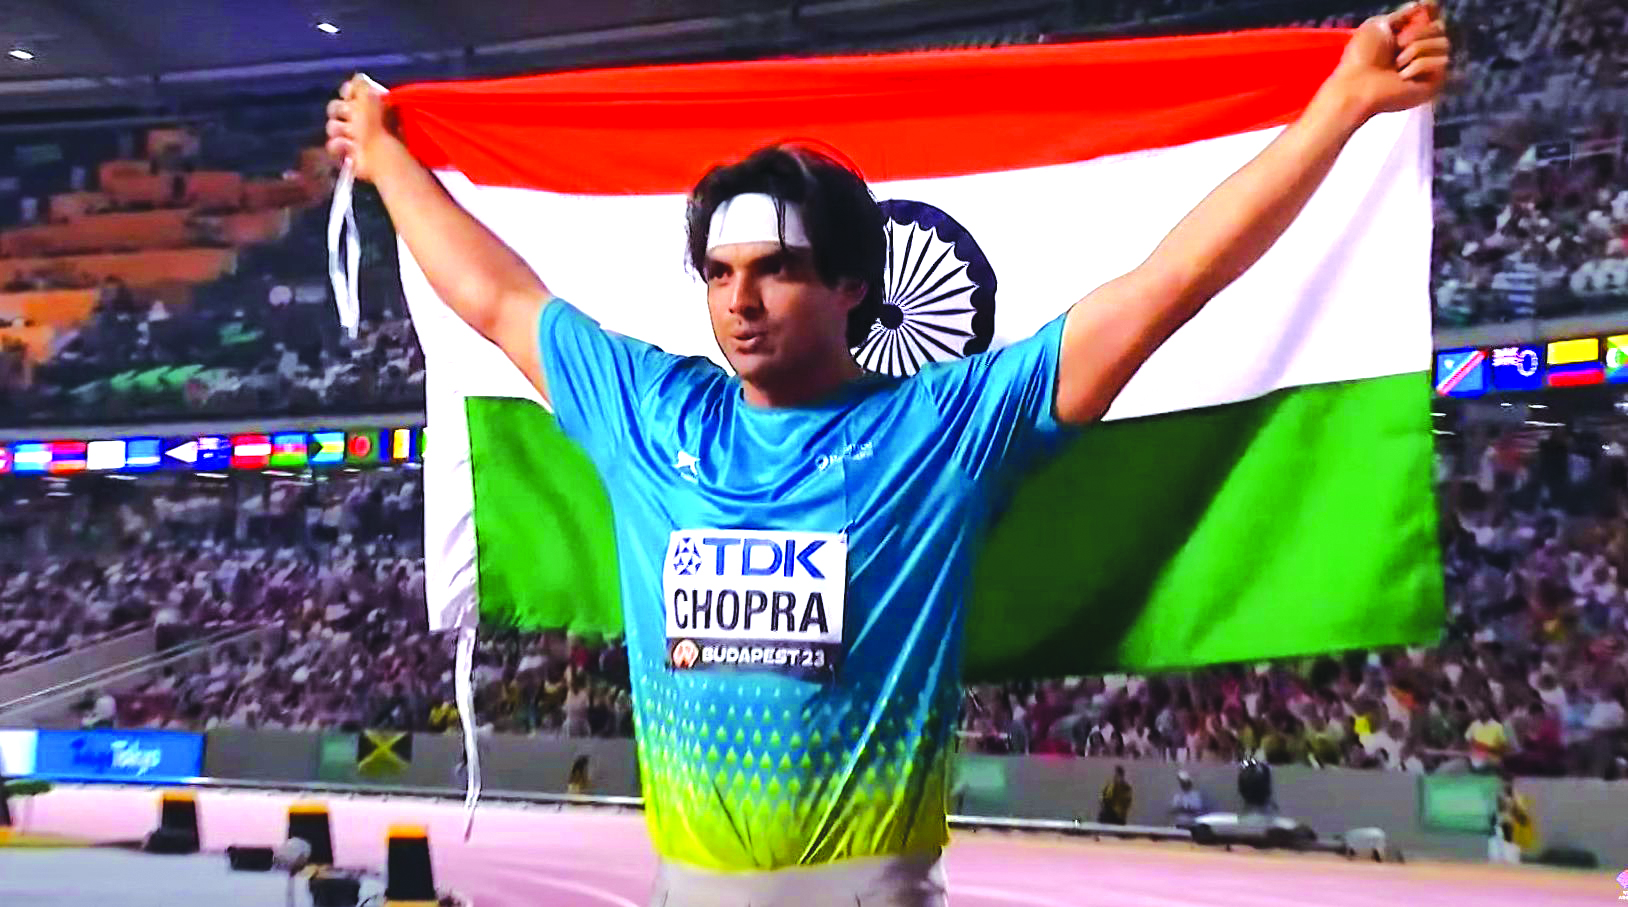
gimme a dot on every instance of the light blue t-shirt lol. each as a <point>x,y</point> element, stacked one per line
<point>795,582</point>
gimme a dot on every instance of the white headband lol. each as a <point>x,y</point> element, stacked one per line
<point>755,217</point>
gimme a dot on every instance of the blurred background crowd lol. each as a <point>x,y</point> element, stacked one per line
<point>179,272</point>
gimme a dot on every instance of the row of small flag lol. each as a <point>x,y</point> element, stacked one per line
<point>207,453</point>
<point>1559,363</point>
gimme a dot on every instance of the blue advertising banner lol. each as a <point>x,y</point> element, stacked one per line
<point>143,756</point>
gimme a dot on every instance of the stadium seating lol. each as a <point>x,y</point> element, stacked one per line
<point>216,275</point>
<point>1532,214</point>
<point>1535,658</point>
<point>1535,655</point>
<point>215,234</point>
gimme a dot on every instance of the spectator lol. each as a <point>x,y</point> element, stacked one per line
<point>1541,750</point>
<point>1114,808</point>
<point>1605,724</point>
<point>1188,803</point>
<point>577,703</point>
<point>1488,741</point>
<point>579,781</point>
<point>1516,821</point>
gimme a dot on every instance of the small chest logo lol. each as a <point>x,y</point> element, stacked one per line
<point>688,466</point>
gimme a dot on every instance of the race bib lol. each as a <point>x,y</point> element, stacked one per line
<point>740,599</point>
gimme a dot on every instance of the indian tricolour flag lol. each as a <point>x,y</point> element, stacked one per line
<point>1260,488</point>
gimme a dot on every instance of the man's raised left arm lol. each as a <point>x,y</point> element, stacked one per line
<point>1393,62</point>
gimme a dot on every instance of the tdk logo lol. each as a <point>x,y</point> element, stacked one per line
<point>686,558</point>
<point>728,555</point>
<point>769,586</point>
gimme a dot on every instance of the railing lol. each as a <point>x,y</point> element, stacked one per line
<point>989,823</point>
<point>57,693</point>
<point>96,640</point>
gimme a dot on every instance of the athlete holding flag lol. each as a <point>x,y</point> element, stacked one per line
<point>849,504</point>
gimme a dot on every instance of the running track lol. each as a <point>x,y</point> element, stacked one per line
<point>521,856</point>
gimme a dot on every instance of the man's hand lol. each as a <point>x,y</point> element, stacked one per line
<point>478,277</point>
<point>1391,63</point>
<point>358,123</point>
<point>1396,61</point>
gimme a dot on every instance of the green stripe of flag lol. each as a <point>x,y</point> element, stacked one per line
<point>546,549</point>
<point>1297,523</point>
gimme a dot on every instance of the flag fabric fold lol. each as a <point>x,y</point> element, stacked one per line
<point>1260,488</point>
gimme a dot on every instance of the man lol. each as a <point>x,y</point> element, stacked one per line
<point>1605,723</point>
<point>1514,825</point>
<point>1386,744</point>
<point>1188,802</point>
<point>823,782</point>
<point>1488,740</point>
<point>1114,808</point>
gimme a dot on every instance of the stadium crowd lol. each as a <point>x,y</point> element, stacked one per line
<point>257,338</point>
<point>1531,180</point>
<point>1532,674</point>
<point>81,561</point>
<point>1531,210</point>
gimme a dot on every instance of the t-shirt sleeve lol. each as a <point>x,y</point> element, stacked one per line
<point>597,379</point>
<point>1000,405</point>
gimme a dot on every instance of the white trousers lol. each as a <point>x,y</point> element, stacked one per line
<point>866,882</point>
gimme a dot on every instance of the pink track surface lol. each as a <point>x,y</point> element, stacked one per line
<point>582,857</point>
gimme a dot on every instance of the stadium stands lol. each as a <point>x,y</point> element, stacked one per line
<point>179,271</point>
<point>215,230</point>
<point>1532,184</point>
<point>1531,674</point>
<point>170,289</point>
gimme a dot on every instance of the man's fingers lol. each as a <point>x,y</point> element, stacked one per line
<point>338,110</point>
<point>1425,69</point>
<point>1383,24</point>
<point>337,129</point>
<point>347,88</point>
<point>1430,47</point>
<point>339,147</point>
<point>1419,31</point>
<point>1399,18</point>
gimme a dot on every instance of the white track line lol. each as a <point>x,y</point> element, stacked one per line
<point>609,897</point>
<point>1035,900</point>
<point>524,864</point>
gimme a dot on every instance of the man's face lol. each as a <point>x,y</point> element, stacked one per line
<point>771,313</point>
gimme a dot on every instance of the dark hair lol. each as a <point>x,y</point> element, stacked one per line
<point>843,221</point>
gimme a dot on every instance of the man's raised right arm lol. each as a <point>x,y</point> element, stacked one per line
<point>479,277</point>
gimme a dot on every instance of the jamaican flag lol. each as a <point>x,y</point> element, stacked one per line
<point>374,755</point>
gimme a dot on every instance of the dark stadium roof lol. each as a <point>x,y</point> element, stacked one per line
<point>141,52</point>
<point>156,53</point>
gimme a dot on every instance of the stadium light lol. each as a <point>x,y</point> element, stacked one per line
<point>17,53</point>
<point>327,28</point>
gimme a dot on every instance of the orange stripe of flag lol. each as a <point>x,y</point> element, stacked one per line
<point>657,129</point>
